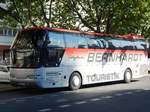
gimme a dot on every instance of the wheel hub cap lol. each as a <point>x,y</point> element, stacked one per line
<point>75,81</point>
<point>128,75</point>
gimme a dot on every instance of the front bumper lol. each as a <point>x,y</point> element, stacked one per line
<point>23,82</point>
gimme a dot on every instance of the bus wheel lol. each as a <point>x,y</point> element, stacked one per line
<point>75,81</point>
<point>127,76</point>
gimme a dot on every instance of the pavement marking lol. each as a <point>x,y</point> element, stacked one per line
<point>61,100</point>
<point>107,97</point>
<point>64,106</point>
<point>2,103</point>
<point>128,93</point>
<point>95,99</point>
<point>14,99</point>
<point>119,94</point>
<point>80,102</point>
<point>138,90</point>
<point>20,100</point>
<point>45,110</point>
<point>54,95</point>
<point>38,98</point>
<point>28,97</point>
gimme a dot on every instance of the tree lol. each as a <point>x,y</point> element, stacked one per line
<point>26,12</point>
<point>62,16</point>
<point>118,16</point>
<point>115,16</point>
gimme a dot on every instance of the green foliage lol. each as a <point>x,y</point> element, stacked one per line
<point>109,16</point>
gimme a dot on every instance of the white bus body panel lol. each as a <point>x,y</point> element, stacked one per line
<point>77,60</point>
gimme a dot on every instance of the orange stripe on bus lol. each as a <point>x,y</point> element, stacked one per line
<point>80,51</point>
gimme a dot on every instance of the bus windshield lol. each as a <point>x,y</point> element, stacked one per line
<point>33,49</point>
<point>30,39</point>
<point>26,49</point>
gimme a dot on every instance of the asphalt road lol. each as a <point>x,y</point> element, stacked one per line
<point>108,97</point>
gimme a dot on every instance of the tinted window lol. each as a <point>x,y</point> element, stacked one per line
<point>52,57</point>
<point>113,43</point>
<point>103,44</point>
<point>82,42</point>
<point>71,40</point>
<point>127,44</point>
<point>140,44</point>
<point>30,39</point>
<point>92,43</point>
<point>75,41</point>
<point>56,40</point>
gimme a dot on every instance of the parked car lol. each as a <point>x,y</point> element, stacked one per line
<point>4,73</point>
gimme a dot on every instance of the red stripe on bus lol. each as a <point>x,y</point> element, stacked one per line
<point>78,51</point>
<point>128,36</point>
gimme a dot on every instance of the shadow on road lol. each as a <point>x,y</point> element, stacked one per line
<point>105,84</point>
<point>7,88</point>
<point>136,100</point>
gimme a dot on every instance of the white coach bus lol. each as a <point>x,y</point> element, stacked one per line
<point>50,58</point>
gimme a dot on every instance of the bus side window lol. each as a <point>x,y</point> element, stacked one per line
<point>56,40</point>
<point>82,42</point>
<point>75,41</point>
<point>140,44</point>
<point>92,43</point>
<point>103,44</point>
<point>71,40</point>
<point>106,44</point>
<point>114,43</point>
<point>127,44</point>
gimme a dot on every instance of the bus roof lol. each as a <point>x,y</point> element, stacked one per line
<point>128,36</point>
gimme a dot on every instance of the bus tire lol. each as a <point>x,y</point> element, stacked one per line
<point>127,75</point>
<point>75,81</point>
